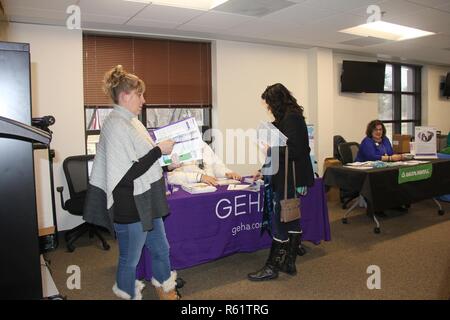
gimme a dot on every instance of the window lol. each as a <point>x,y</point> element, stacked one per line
<point>399,105</point>
<point>94,116</point>
<point>177,75</point>
<point>152,117</point>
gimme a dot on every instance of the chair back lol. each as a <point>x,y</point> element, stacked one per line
<point>337,140</point>
<point>76,170</point>
<point>348,151</point>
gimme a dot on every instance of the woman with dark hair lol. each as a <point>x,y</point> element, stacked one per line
<point>376,146</point>
<point>286,236</point>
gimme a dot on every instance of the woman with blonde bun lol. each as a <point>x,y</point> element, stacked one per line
<point>127,190</point>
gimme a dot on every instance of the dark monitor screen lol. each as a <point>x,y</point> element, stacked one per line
<point>446,92</point>
<point>360,76</point>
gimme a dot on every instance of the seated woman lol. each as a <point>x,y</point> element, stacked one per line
<point>376,146</point>
<point>206,170</point>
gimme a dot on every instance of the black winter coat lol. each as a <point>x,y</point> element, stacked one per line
<point>293,126</point>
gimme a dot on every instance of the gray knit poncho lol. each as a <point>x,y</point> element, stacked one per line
<point>123,140</point>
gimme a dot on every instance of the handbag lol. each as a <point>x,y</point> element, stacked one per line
<point>290,208</point>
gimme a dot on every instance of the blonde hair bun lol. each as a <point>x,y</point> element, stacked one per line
<point>117,80</point>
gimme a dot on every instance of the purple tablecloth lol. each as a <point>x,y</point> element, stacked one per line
<point>205,227</point>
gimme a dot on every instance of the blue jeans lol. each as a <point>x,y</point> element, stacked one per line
<point>131,240</point>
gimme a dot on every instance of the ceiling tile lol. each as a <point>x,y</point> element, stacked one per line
<point>444,7</point>
<point>55,5</point>
<point>152,23</point>
<point>253,8</point>
<point>431,3</point>
<point>299,15</point>
<point>168,14</point>
<point>260,29</point>
<point>216,20</point>
<point>85,17</point>
<point>328,29</point>
<point>115,8</point>
<point>340,6</point>
<point>201,29</point>
<point>33,15</point>
<point>428,20</point>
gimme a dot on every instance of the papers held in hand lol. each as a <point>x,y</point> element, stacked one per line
<point>188,141</point>
<point>268,134</point>
<point>200,187</point>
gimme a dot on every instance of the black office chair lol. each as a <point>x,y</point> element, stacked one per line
<point>76,172</point>
<point>348,151</point>
<point>337,140</point>
<point>347,154</point>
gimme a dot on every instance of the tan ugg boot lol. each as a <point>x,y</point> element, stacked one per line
<point>139,286</point>
<point>167,290</point>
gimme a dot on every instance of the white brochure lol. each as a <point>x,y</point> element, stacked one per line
<point>188,141</point>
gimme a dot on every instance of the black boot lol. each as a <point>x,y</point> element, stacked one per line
<point>301,251</point>
<point>291,254</point>
<point>273,263</point>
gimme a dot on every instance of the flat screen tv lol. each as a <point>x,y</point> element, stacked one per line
<point>446,86</point>
<point>361,76</point>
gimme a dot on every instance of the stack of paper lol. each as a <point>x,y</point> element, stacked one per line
<point>195,188</point>
<point>225,181</point>
<point>360,165</point>
<point>238,186</point>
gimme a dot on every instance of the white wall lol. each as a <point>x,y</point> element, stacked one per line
<point>321,85</point>
<point>242,71</point>
<point>435,109</point>
<point>352,111</point>
<point>57,89</point>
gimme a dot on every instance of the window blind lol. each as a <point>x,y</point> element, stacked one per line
<point>175,72</point>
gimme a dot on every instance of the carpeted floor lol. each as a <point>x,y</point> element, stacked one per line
<point>412,251</point>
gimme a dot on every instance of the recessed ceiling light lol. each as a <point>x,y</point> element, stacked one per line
<point>190,4</point>
<point>386,30</point>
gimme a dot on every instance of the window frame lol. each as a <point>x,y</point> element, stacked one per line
<point>397,94</point>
